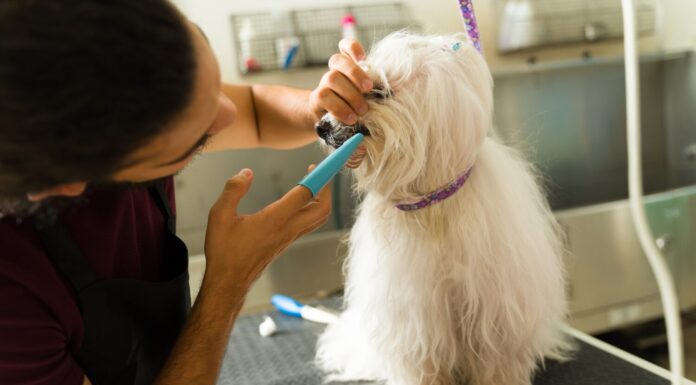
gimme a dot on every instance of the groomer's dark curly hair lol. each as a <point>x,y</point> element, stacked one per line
<point>84,83</point>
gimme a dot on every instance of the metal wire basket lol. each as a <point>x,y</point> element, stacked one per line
<point>528,24</point>
<point>317,31</point>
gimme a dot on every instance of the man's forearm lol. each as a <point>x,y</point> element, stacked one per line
<point>267,116</point>
<point>283,117</point>
<point>197,355</point>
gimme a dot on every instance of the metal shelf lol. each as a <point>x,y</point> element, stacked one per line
<point>526,24</point>
<point>318,31</point>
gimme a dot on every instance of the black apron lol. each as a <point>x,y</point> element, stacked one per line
<point>130,326</point>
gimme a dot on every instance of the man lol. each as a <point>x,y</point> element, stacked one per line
<point>101,102</point>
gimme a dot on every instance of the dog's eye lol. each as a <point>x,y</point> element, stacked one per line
<point>379,93</point>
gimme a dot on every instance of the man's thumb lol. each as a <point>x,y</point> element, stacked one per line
<point>235,189</point>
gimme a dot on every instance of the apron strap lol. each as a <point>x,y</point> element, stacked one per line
<point>162,199</point>
<point>65,253</point>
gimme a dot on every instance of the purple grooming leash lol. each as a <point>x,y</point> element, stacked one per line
<point>467,8</point>
<point>470,23</point>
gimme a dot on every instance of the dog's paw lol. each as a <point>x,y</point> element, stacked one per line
<point>344,353</point>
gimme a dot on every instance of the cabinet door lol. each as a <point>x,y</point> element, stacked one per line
<point>684,245</point>
<point>664,215</point>
<point>607,265</point>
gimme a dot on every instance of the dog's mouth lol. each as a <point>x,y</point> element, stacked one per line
<point>335,133</point>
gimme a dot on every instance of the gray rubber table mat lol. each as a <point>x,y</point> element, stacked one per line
<point>286,358</point>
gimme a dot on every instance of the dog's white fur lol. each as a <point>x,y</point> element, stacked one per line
<point>470,290</point>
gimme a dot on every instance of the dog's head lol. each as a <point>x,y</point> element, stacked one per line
<point>429,112</point>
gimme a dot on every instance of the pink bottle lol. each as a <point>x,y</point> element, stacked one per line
<point>350,29</point>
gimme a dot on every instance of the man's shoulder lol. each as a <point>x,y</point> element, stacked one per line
<point>23,257</point>
<point>29,279</point>
<point>40,332</point>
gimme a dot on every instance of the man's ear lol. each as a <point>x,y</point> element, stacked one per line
<point>65,190</point>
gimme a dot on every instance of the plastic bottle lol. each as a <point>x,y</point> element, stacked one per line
<point>287,43</point>
<point>246,40</point>
<point>350,29</point>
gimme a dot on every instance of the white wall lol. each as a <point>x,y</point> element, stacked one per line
<point>678,29</point>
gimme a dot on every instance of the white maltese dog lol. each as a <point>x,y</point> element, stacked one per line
<point>455,270</point>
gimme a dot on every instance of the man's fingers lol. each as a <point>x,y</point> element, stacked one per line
<point>314,214</point>
<point>324,195</point>
<point>351,70</point>
<point>298,209</point>
<point>347,90</point>
<point>290,204</point>
<point>352,48</point>
<point>311,228</point>
<point>235,189</point>
<point>342,90</point>
<point>330,101</point>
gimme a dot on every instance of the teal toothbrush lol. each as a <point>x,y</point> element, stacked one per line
<point>329,167</point>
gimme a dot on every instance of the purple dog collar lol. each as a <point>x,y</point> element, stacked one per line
<point>438,195</point>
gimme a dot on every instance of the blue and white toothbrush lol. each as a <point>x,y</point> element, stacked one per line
<point>290,306</point>
<point>314,182</point>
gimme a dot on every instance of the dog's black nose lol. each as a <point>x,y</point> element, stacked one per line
<point>323,128</point>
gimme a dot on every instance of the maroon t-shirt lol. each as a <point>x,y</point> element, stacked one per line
<point>120,233</point>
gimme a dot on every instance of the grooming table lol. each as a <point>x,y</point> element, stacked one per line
<point>286,358</point>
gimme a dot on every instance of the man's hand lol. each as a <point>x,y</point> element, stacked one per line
<point>239,247</point>
<point>283,118</point>
<point>341,90</point>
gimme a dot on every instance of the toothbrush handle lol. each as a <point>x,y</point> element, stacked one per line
<point>329,167</point>
<point>287,305</point>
